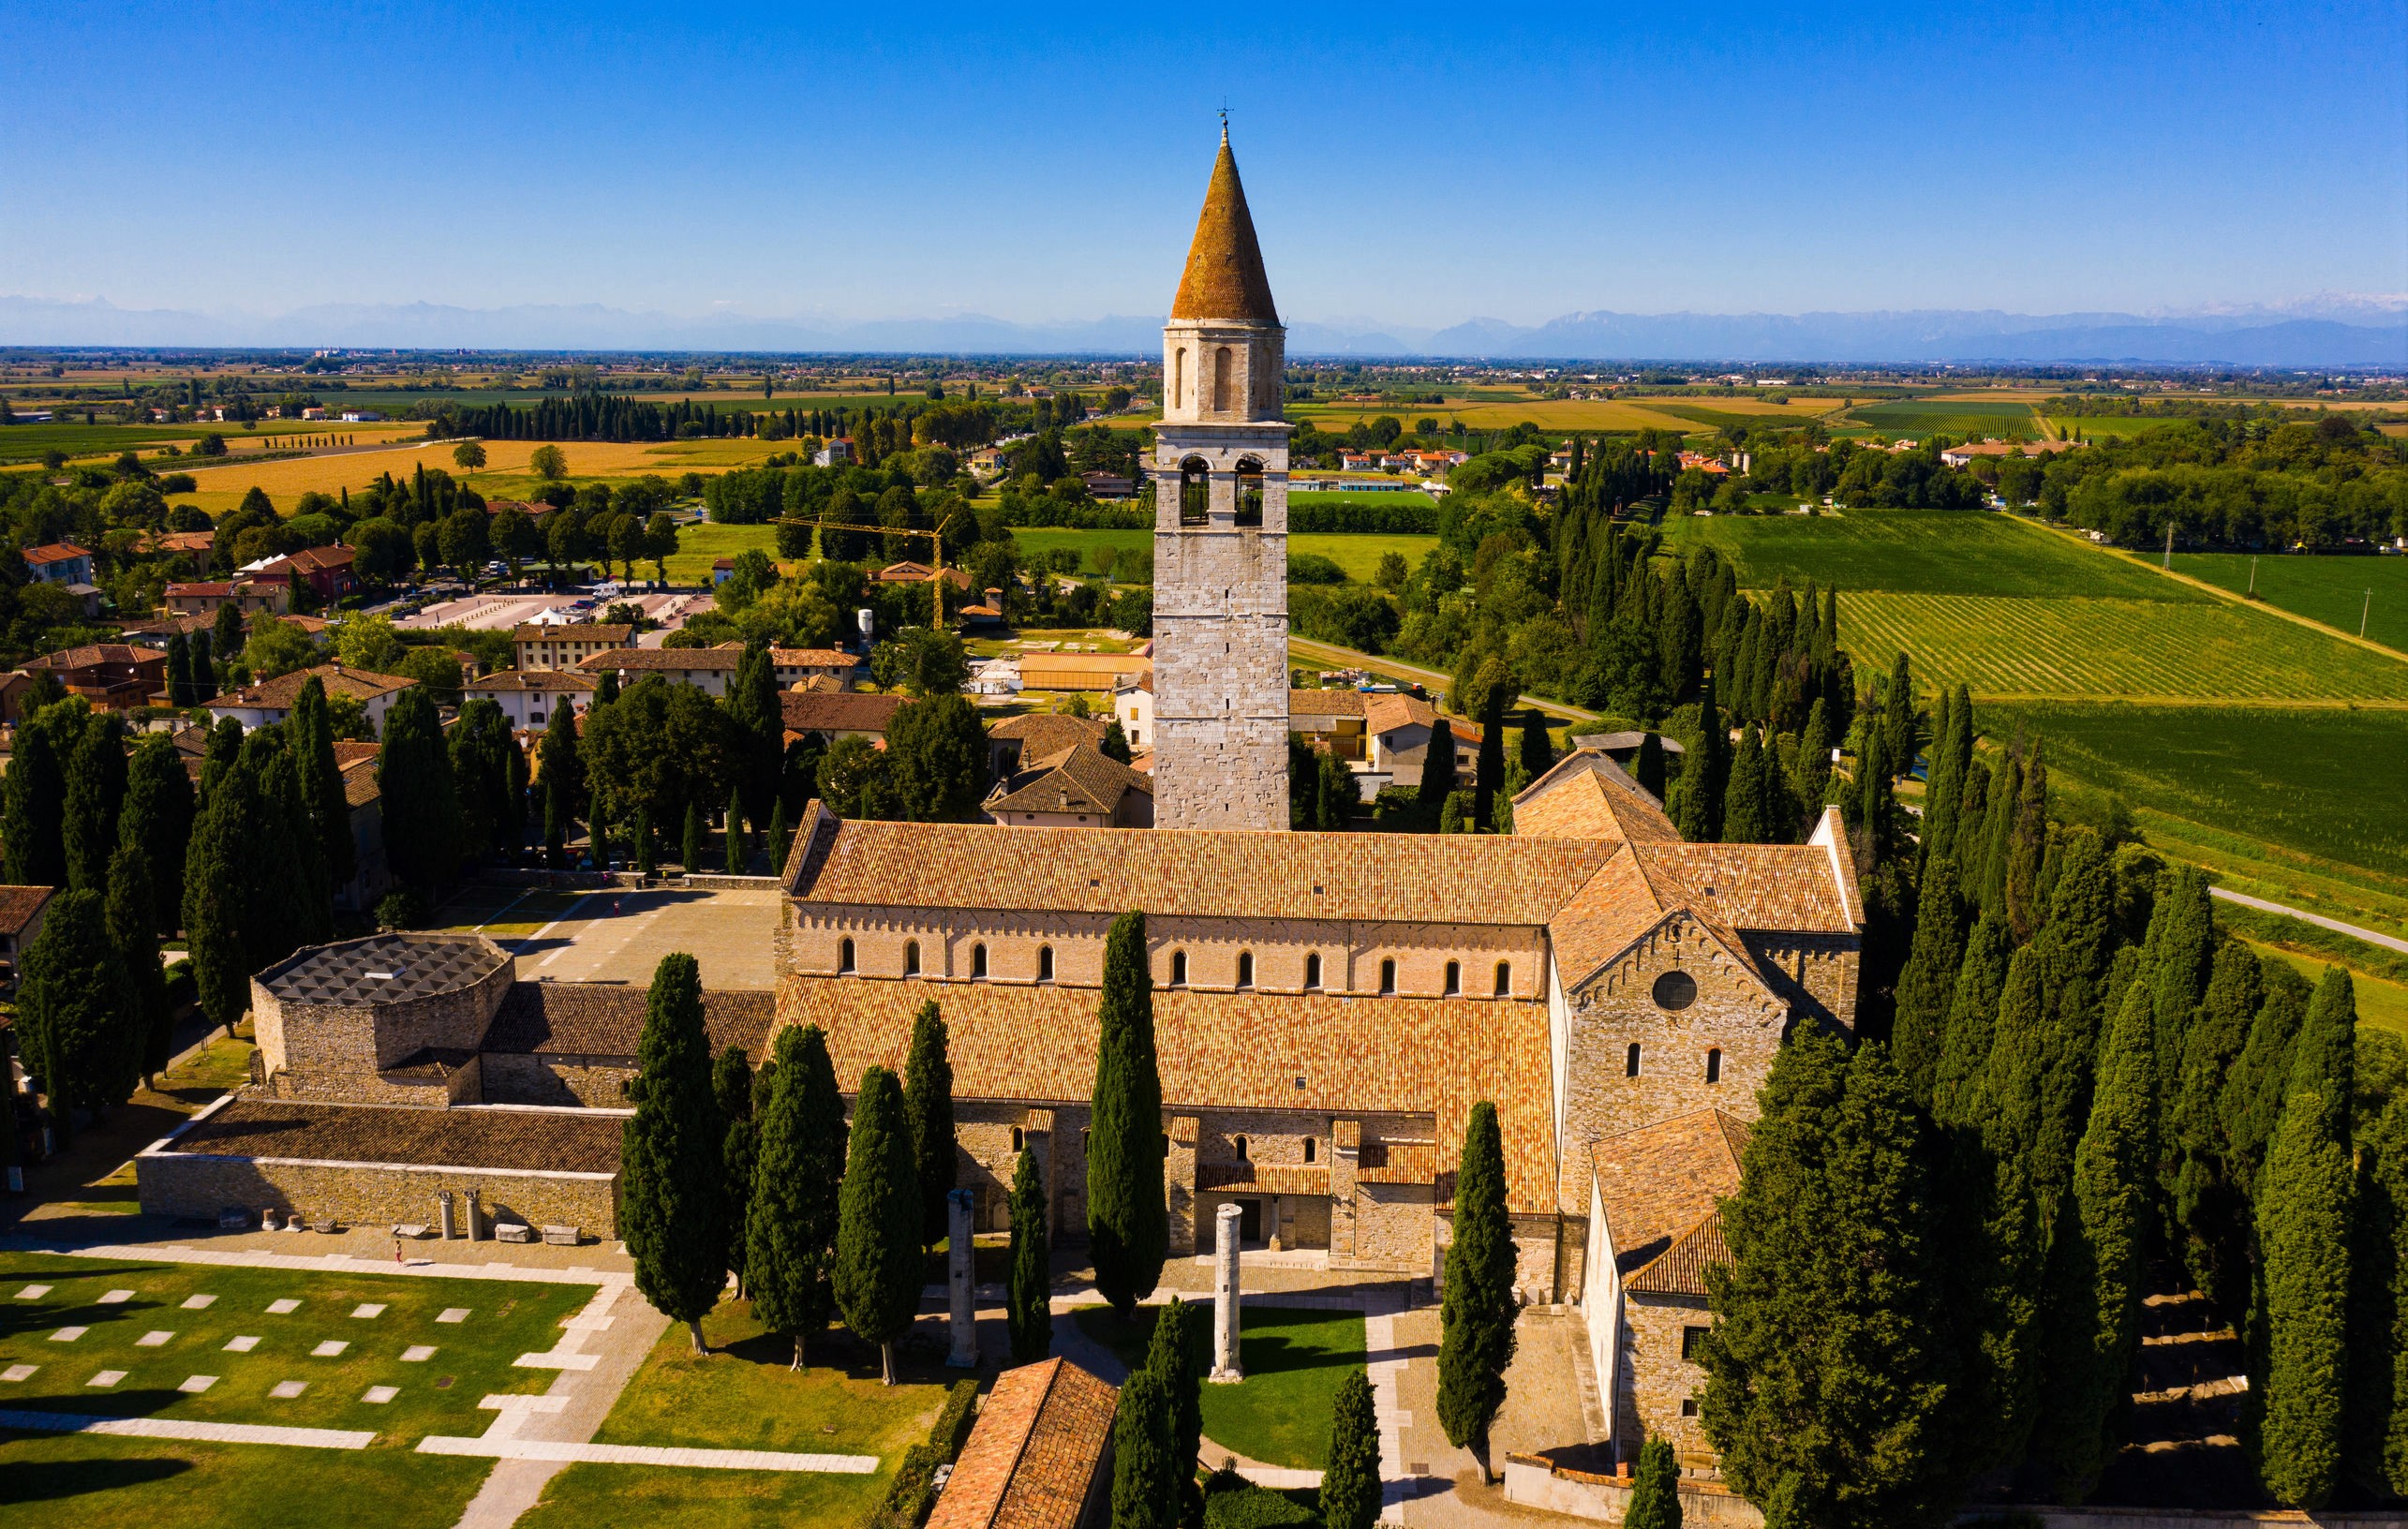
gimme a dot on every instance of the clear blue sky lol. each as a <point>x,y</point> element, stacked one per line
<point>1419,167</point>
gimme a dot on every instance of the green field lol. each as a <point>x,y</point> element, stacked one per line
<point>701,546</point>
<point>1359,554</point>
<point>1920,417</point>
<point>1939,552</point>
<point>2282,802</point>
<point>2333,590</point>
<point>2099,426</point>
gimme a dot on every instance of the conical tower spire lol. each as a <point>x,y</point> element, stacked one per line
<point>1225,277</point>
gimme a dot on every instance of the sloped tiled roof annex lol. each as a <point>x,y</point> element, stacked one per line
<point>533,682</point>
<point>1659,1180</point>
<point>728,657</point>
<point>1033,1457</point>
<point>1224,277</point>
<point>1325,703</point>
<point>1040,734</point>
<point>1356,1056</point>
<point>615,633</point>
<point>282,692</point>
<point>1197,873</point>
<point>606,1019</point>
<point>1680,1270</point>
<point>1079,778</point>
<point>836,711</point>
<point>19,904</point>
<point>1586,795</point>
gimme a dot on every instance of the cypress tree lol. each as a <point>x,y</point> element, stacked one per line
<point>1537,746</point>
<point>96,791</point>
<point>1987,875</point>
<point>606,688</point>
<point>691,856</point>
<point>321,780</point>
<point>204,672</point>
<point>2258,1087</point>
<point>1475,1309</point>
<point>1831,1369</point>
<point>1945,802</point>
<point>641,836</point>
<point>179,673</point>
<point>877,1273</point>
<point>1145,1474</point>
<point>672,1177</point>
<point>217,911</point>
<point>2027,838</point>
<point>2376,1446</point>
<point>928,1105</point>
<point>562,768</point>
<point>1655,1487</point>
<point>1028,1294</point>
<point>1901,736</point>
<point>732,1088</point>
<point>35,791</point>
<point>790,1230</point>
<point>1959,1095</point>
<point>1350,1493</point>
<point>780,837</point>
<point>480,747</point>
<point>2181,951</point>
<point>1451,817</point>
<point>129,917</point>
<point>1927,985</point>
<point>1704,773</point>
<point>1171,1354</point>
<point>2206,1202</point>
<point>735,835</point>
<point>292,905</point>
<point>1648,767</point>
<point>159,816</point>
<point>1437,770</point>
<point>1488,773</point>
<point>1127,1217</point>
<point>218,754</point>
<point>73,1000</point>
<point>421,802</point>
<point>2303,1226</point>
<point>1743,794</point>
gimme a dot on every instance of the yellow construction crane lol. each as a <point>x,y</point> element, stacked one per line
<point>936,560</point>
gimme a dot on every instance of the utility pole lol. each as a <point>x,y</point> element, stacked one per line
<point>2253,578</point>
<point>2363,611</point>
<point>2169,547</point>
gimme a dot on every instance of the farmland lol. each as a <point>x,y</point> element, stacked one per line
<point>1593,415</point>
<point>1949,552</point>
<point>1357,553</point>
<point>505,473</point>
<point>2332,591</point>
<point>1975,417</point>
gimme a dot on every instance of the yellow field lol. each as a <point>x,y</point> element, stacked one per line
<point>504,475</point>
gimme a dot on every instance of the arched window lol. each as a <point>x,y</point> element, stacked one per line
<point>1194,492</point>
<point>1313,971</point>
<point>1179,968</point>
<point>1083,1134</point>
<point>911,957</point>
<point>1630,1061</point>
<point>1019,1140</point>
<point>1179,377</point>
<point>1388,976</point>
<point>845,955</point>
<point>1239,1143</point>
<point>1309,1146</point>
<point>1223,373</point>
<point>1455,978</point>
<point>1045,963</point>
<point>1249,491</point>
<point>1246,969</point>
<point>978,960</point>
<point>1714,1065</point>
<point>1505,979</point>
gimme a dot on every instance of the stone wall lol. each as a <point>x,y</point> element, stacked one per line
<point>374,1194</point>
<point>1655,1384</point>
<point>336,1052</point>
<point>520,1079</point>
<point>1532,1481</point>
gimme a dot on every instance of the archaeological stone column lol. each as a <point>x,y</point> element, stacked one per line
<point>1224,1295</point>
<point>961,1246</point>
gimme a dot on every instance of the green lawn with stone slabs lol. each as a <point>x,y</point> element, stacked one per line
<point>506,1318</point>
<point>80,1481</point>
<point>1295,1359</point>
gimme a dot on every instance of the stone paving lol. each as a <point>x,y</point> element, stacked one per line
<point>621,936</point>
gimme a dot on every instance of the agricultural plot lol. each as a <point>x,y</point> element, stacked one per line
<point>1951,552</point>
<point>2281,802</point>
<point>2003,418</point>
<point>2137,648</point>
<point>1357,553</point>
<point>1592,415</point>
<point>2334,590</point>
<point>505,472</point>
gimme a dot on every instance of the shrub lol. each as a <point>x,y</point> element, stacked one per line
<point>912,1492</point>
<point>1312,567</point>
<point>403,908</point>
<point>1249,1507</point>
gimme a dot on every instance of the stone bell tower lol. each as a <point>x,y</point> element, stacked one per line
<point>1220,537</point>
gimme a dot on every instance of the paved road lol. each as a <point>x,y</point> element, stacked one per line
<point>621,936</point>
<point>2370,936</point>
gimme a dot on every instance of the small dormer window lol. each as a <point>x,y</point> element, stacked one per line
<point>1387,975</point>
<point>845,955</point>
<point>911,957</point>
<point>1045,963</point>
<point>1455,978</point>
<point>1179,968</point>
<point>1245,969</point>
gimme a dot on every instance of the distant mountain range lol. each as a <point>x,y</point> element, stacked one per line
<point>2332,332</point>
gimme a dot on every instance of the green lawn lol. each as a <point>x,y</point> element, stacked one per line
<point>1359,554</point>
<point>741,1395</point>
<point>2379,1003</point>
<point>1294,1359</point>
<point>2281,802</point>
<point>2334,590</point>
<point>701,546</point>
<point>82,1481</point>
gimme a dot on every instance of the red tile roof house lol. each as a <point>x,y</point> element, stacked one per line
<point>113,677</point>
<point>327,571</point>
<point>21,921</point>
<point>707,669</point>
<point>529,696</point>
<point>272,700</point>
<point>60,562</point>
<point>273,596</point>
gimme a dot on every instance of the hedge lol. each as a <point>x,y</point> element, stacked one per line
<point>913,1494</point>
<point>1412,516</point>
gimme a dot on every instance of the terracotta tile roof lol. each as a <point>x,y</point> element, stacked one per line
<point>55,552</point>
<point>616,633</point>
<point>1470,879</point>
<point>1218,1051</point>
<point>311,559</point>
<point>532,681</point>
<point>360,785</point>
<point>838,711</point>
<point>199,591</point>
<point>560,1141</point>
<point>348,752</point>
<point>93,655</point>
<point>1660,1180</point>
<point>181,542</point>
<point>19,904</point>
<point>1389,711</point>
<point>1043,733</point>
<point>1751,886</point>
<point>1680,1270</point>
<point>1034,667</point>
<point>1032,1458</point>
<point>606,1019</point>
<point>812,658</point>
<point>1266,1178</point>
<point>1587,795</point>
<point>279,694</point>
<point>1326,702</point>
<point>1225,277</point>
<point>724,658</point>
<point>1396,1163</point>
<point>1081,778</point>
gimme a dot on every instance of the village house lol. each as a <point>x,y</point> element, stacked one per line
<point>1036,735</point>
<point>20,922</point>
<point>327,571</point>
<point>529,697</point>
<point>910,573</point>
<point>544,644</point>
<point>1958,456</point>
<point>709,669</point>
<point>193,549</point>
<point>58,562</point>
<point>113,677</point>
<point>250,596</point>
<point>829,715</point>
<point>272,700</point>
<point>1077,787</point>
<point>792,666</point>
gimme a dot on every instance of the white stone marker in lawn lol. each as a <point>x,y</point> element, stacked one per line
<point>19,1372</point>
<point>285,1390</point>
<point>68,1335</point>
<point>368,1308</point>
<point>417,1353</point>
<point>198,1303</point>
<point>279,1308</point>
<point>454,1313</point>
<point>243,1345</point>
<point>107,1377</point>
<point>331,1348</point>
<point>380,1395</point>
<point>33,1292</point>
<point>1226,1368</point>
<point>197,1384</point>
<point>153,1340</point>
<point>116,1298</point>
